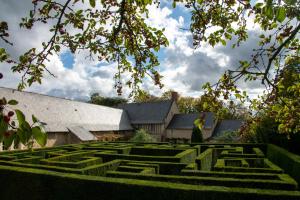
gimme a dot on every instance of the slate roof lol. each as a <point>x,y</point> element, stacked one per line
<point>61,113</point>
<point>186,121</point>
<point>227,125</point>
<point>147,113</point>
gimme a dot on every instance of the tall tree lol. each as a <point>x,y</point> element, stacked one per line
<point>144,96</point>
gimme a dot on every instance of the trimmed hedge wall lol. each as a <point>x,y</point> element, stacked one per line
<point>34,184</point>
<point>204,160</point>
<point>284,183</point>
<point>286,160</point>
<point>120,170</point>
<point>238,175</point>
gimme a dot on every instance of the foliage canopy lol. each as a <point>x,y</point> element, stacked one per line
<point>106,101</point>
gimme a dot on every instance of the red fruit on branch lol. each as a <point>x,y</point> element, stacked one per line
<point>61,31</point>
<point>6,119</point>
<point>10,113</point>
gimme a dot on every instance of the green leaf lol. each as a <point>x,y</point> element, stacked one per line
<point>12,102</point>
<point>16,141</point>
<point>281,14</point>
<point>34,119</point>
<point>7,141</point>
<point>39,136</point>
<point>2,51</point>
<point>223,42</point>
<point>22,136</point>
<point>258,5</point>
<point>174,4</point>
<point>268,11</point>
<point>93,3</point>
<point>57,48</point>
<point>3,127</point>
<point>20,117</point>
<point>205,105</point>
<point>24,132</point>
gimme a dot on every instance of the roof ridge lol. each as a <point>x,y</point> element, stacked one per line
<point>61,98</point>
<point>148,102</point>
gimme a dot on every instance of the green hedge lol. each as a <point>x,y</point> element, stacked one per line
<point>19,183</point>
<point>182,157</point>
<point>97,169</point>
<point>136,169</point>
<point>187,156</point>
<point>204,160</point>
<point>156,170</point>
<point>238,175</point>
<point>286,160</point>
<point>269,167</point>
<point>248,147</point>
<point>154,151</point>
<point>167,168</point>
<point>150,165</point>
<point>284,183</point>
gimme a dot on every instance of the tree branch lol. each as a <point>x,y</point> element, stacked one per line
<point>294,32</point>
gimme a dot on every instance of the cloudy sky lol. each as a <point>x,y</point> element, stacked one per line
<point>184,69</point>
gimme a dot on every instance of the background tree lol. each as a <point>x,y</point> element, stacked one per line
<point>277,113</point>
<point>142,135</point>
<point>187,105</point>
<point>106,101</point>
<point>144,96</point>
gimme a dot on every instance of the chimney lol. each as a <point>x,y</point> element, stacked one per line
<point>174,96</point>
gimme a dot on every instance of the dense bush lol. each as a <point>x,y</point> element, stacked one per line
<point>142,136</point>
<point>197,135</point>
<point>228,136</point>
<point>267,132</point>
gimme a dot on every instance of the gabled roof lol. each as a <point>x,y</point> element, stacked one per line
<point>227,125</point>
<point>186,121</point>
<point>147,113</point>
<point>61,113</point>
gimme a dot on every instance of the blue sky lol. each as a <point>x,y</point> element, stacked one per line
<point>67,58</point>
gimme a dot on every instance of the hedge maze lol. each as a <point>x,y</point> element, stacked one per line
<point>119,170</point>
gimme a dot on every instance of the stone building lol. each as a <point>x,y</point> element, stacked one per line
<point>181,125</point>
<point>154,117</point>
<point>70,121</point>
<point>75,122</point>
<point>227,125</point>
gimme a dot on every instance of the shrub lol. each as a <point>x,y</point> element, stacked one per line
<point>142,136</point>
<point>197,135</point>
<point>228,136</point>
<point>267,132</point>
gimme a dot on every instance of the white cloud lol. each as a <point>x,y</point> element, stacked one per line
<point>184,69</point>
